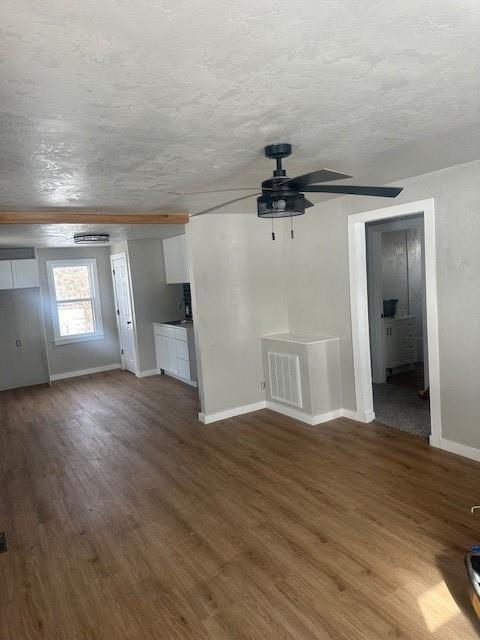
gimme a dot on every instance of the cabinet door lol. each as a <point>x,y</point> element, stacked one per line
<point>175,256</point>
<point>25,273</point>
<point>6,276</point>
<point>172,365</point>
<point>184,369</point>
<point>31,359</point>
<point>393,345</point>
<point>161,352</point>
<point>23,359</point>
<point>8,336</point>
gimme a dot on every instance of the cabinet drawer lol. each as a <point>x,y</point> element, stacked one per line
<point>181,333</point>
<point>182,349</point>
<point>164,330</point>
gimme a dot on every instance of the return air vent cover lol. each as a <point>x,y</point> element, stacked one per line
<point>284,374</point>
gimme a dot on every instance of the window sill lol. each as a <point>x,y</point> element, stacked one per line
<point>80,338</point>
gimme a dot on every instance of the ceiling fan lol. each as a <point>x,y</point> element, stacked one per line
<point>282,196</point>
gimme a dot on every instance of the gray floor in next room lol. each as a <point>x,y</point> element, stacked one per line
<point>401,408</point>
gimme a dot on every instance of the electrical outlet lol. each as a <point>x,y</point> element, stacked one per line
<point>262,385</point>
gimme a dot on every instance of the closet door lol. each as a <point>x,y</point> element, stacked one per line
<point>30,361</point>
<point>7,340</point>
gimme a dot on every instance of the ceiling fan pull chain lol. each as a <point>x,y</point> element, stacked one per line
<point>273,230</point>
<point>292,234</point>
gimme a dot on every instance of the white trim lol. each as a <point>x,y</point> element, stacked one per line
<point>460,449</point>
<point>359,305</point>
<point>192,383</point>
<point>286,411</point>
<point>91,264</point>
<point>83,337</point>
<point>156,372</point>
<point>207,418</point>
<point>147,373</point>
<point>358,417</point>
<point>84,372</point>
<point>305,417</point>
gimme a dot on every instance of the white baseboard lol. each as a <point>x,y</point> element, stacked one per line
<point>192,383</point>
<point>147,373</point>
<point>207,418</point>
<point>460,449</point>
<point>284,410</point>
<point>84,372</point>
<point>367,416</point>
<point>304,417</point>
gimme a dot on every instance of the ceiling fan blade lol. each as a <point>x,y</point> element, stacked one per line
<point>384,192</point>
<point>322,175</point>
<point>223,204</point>
<point>194,193</point>
<point>308,203</point>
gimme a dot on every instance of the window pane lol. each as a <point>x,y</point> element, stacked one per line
<point>75,318</point>
<point>72,282</point>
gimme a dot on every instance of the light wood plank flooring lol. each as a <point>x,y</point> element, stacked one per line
<point>127,519</point>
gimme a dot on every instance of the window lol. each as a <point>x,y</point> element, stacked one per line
<point>75,298</point>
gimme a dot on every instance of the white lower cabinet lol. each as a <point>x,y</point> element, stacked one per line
<point>174,348</point>
<point>171,363</point>
<point>400,342</point>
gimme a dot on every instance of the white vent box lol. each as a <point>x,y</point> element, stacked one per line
<point>302,375</point>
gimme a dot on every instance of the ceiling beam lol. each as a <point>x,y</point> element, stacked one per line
<point>79,217</point>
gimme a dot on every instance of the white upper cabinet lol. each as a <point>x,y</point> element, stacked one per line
<point>18,274</point>
<point>175,255</point>
<point>25,273</point>
<point>6,275</point>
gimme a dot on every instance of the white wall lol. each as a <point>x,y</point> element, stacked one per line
<point>318,262</point>
<point>87,354</point>
<point>154,300</point>
<point>238,295</point>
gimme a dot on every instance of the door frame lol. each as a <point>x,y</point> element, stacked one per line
<point>114,256</point>
<point>360,312</point>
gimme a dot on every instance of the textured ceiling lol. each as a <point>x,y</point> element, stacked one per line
<point>112,104</point>
<point>61,235</point>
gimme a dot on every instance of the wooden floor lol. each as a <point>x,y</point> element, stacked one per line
<point>127,518</point>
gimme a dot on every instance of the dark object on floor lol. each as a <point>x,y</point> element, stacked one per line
<point>472,562</point>
<point>413,378</point>
<point>400,407</point>
<point>390,308</point>
<point>3,542</point>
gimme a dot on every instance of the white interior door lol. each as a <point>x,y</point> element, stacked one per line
<point>123,301</point>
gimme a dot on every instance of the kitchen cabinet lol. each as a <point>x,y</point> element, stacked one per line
<point>6,275</point>
<point>400,344</point>
<point>175,256</point>
<point>19,274</point>
<point>25,273</point>
<point>175,351</point>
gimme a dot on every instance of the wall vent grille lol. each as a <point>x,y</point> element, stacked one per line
<point>284,376</point>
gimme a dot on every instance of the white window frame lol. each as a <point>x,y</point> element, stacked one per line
<point>91,263</point>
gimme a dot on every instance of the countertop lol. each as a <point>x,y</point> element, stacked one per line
<point>299,338</point>
<point>178,323</point>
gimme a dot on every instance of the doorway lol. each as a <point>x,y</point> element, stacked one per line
<point>397,321</point>
<point>361,313</point>
<point>123,304</point>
